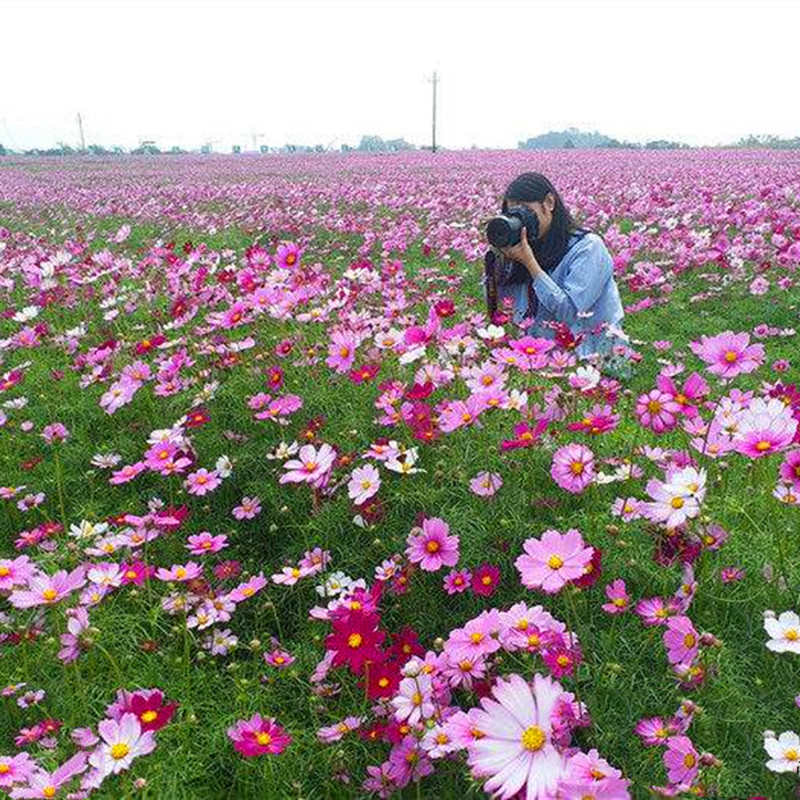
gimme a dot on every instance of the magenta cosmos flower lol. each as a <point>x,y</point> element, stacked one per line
<point>516,752</point>
<point>258,736</point>
<point>433,547</point>
<point>573,467</point>
<point>202,482</point>
<point>554,560</point>
<point>729,354</point>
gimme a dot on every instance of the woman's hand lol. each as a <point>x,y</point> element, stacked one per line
<point>522,253</point>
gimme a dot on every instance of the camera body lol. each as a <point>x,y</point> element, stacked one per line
<point>505,230</point>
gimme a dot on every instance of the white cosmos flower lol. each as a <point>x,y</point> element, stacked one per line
<point>784,632</point>
<point>784,752</point>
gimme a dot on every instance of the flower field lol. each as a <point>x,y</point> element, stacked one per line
<point>283,513</point>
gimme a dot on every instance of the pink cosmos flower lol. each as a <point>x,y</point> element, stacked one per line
<point>628,508</point>
<point>764,427</point>
<point>123,740</point>
<point>516,752</point>
<point>289,576</point>
<point>55,432</point>
<point>45,589</point>
<point>71,642</point>
<point>658,410</point>
<point>180,573</point>
<point>413,701</point>
<point>342,351</point>
<point>202,482</point>
<point>204,543</point>
<point>681,760</point>
<point>15,572</point>
<point>485,484</point>
<point>476,639</point>
<point>729,354</point>
<point>127,473</point>
<point>364,483</point>
<point>457,581</point>
<point>288,255</point>
<point>671,505</point>
<point>618,596</point>
<point>432,547</point>
<point>334,733</point>
<point>681,640</point>
<point>311,466</point>
<point>247,589</point>
<point>258,736</point>
<point>789,470</point>
<point>485,578</point>
<point>279,658</point>
<point>573,467</point>
<point>553,561</point>
<point>249,508</point>
<point>458,413</point>
<point>16,769</point>
<point>47,784</point>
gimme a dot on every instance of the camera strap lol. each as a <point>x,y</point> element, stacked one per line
<point>490,277</point>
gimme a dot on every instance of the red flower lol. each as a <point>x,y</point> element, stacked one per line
<point>146,345</point>
<point>485,579</point>
<point>405,643</point>
<point>382,679</point>
<point>151,711</point>
<point>419,391</point>
<point>275,377</point>
<point>355,640</point>
<point>592,570</point>
<point>363,374</point>
<point>445,308</point>
<point>197,418</point>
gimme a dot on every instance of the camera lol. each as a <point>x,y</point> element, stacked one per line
<point>506,230</point>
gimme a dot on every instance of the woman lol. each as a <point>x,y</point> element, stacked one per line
<point>569,275</point>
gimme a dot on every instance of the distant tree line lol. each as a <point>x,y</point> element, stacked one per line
<point>569,139</point>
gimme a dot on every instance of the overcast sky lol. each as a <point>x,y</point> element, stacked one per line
<point>186,72</point>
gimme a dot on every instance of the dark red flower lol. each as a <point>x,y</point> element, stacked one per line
<point>355,640</point>
<point>485,579</point>
<point>405,643</point>
<point>197,418</point>
<point>382,679</point>
<point>151,711</point>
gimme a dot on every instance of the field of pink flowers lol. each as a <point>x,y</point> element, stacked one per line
<point>284,514</point>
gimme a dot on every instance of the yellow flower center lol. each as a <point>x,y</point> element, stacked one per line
<point>263,738</point>
<point>310,466</point>
<point>344,352</point>
<point>476,637</point>
<point>563,661</point>
<point>49,791</point>
<point>120,750</point>
<point>619,602</point>
<point>432,546</point>
<point>763,445</point>
<point>533,640</point>
<point>791,635</point>
<point>247,591</point>
<point>576,467</point>
<point>4,571</point>
<point>677,502</point>
<point>354,640</point>
<point>180,572</point>
<point>383,683</point>
<point>533,738</point>
<point>654,406</point>
<point>4,768</point>
<point>49,595</point>
<point>416,699</point>
<point>791,754</point>
<point>689,760</point>
<point>731,356</point>
<point>148,716</point>
<point>522,624</point>
<point>466,416</point>
<point>555,562</point>
<point>689,640</point>
<point>295,572</point>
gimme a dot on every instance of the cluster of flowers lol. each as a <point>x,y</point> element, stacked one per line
<point>127,732</point>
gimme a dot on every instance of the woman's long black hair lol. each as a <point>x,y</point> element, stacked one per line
<point>534,187</point>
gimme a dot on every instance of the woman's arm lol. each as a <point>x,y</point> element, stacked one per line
<point>590,272</point>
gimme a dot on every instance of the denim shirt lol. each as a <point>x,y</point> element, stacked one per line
<point>580,292</point>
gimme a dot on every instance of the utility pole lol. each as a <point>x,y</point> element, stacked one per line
<point>80,128</point>
<point>434,82</point>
